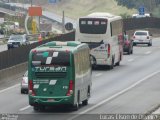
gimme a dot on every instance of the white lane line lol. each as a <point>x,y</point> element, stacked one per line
<point>114,96</point>
<point>148,52</point>
<point>130,60</point>
<point>14,86</point>
<point>98,74</point>
<point>22,109</point>
<point>157,111</point>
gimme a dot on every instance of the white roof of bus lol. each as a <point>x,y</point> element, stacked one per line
<point>103,15</point>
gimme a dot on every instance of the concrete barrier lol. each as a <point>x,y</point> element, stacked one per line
<point>13,71</point>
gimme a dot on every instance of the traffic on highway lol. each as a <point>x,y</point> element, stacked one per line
<point>100,68</point>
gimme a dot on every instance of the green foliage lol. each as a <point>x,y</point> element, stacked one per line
<point>148,4</point>
<point>156,11</point>
<point>125,15</point>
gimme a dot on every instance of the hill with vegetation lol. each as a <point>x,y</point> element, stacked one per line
<point>77,8</point>
<point>151,6</point>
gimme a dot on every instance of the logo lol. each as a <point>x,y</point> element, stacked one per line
<point>50,69</point>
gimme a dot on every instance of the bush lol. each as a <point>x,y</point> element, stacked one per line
<point>125,15</point>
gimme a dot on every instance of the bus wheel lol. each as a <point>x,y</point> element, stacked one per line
<point>118,63</point>
<point>39,108</point>
<point>112,65</point>
<point>85,102</point>
<point>93,61</point>
<point>36,108</point>
<point>42,108</point>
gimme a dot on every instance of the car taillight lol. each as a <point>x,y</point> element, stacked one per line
<point>31,90</point>
<point>70,90</point>
<point>109,50</point>
<point>147,37</point>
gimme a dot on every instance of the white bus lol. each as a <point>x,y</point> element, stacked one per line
<point>103,33</point>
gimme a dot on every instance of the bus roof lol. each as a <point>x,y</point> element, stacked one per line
<point>102,15</point>
<point>62,46</point>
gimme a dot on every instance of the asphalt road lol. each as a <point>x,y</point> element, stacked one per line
<point>131,88</point>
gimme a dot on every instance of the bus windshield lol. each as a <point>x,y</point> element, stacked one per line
<point>51,58</point>
<point>93,25</point>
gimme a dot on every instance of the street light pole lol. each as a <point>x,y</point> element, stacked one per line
<point>63,23</point>
<point>31,2</point>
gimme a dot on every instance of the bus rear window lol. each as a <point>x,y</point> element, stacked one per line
<point>141,33</point>
<point>51,58</point>
<point>93,25</point>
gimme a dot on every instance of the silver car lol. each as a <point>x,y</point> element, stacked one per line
<point>142,37</point>
<point>17,41</point>
<point>24,83</point>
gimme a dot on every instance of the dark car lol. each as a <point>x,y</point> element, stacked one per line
<point>17,41</point>
<point>128,45</point>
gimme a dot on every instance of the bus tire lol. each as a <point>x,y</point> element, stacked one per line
<point>39,108</point>
<point>36,108</point>
<point>93,61</point>
<point>112,64</point>
<point>118,63</point>
<point>22,92</point>
<point>85,102</point>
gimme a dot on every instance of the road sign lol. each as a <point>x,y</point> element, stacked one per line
<point>141,10</point>
<point>52,1</point>
<point>69,26</point>
<point>35,11</point>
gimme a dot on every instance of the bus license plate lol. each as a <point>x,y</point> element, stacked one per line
<point>51,100</point>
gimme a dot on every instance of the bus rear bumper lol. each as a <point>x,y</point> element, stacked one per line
<point>35,100</point>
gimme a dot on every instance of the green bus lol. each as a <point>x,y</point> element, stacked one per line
<point>59,73</point>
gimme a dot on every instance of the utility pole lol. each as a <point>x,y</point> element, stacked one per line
<point>31,3</point>
<point>63,23</point>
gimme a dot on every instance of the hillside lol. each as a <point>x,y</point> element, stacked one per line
<point>77,8</point>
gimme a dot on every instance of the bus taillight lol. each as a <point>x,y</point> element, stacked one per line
<point>70,90</point>
<point>34,51</point>
<point>31,91</point>
<point>109,50</point>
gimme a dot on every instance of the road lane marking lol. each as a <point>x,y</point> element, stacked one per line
<point>98,74</point>
<point>148,52</point>
<point>22,109</point>
<point>14,86</point>
<point>130,60</point>
<point>114,96</point>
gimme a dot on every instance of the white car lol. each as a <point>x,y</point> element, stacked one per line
<point>142,37</point>
<point>24,83</point>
